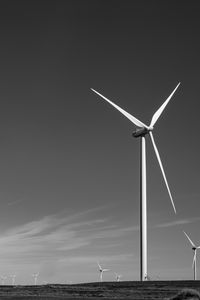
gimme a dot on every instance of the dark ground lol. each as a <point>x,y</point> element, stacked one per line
<point>107,290</point>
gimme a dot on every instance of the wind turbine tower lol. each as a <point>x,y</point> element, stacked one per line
<point>101,270</point>
<point>194,248</point>
<point>141,132</point>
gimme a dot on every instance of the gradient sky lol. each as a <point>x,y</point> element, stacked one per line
<point>69,167</point>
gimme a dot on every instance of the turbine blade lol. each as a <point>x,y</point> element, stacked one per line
<point>162,170</point>
<point>191,242</point>
<point>100,268</point>
<point>106,270</point>
<point>162,107</point>
<point>125,113</point>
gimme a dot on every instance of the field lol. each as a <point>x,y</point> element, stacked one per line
<point>134,290</point>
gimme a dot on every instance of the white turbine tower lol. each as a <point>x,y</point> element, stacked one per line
<point>35,276</point>
<point>141,132</point>
<point>13,276</point>
<point>194,248</point>
<point>101,271</point>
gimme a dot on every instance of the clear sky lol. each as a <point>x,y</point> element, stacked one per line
<point>69,167</point>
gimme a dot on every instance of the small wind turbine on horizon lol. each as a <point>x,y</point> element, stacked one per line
<point>35,276</point>
<point>194,248</point>
<point>118,277</point>
<point>141,132</point>
<point>101,271</point>
<point>13,276</point>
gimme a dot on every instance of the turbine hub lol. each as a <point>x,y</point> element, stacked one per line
<point>194,248</point>
<point>140,132</point>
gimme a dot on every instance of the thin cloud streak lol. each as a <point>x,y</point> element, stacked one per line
<point>14,202</point>
<point>92,259</point>
<point>177,223</point>
<point>53,237</point>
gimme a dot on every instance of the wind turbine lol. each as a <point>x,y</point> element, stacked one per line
<point>35,276</point>
<point>101,271</point>
<point>13,278</point>
<point>118,277</point>
<point>141,132</point>
<point>194,248</point>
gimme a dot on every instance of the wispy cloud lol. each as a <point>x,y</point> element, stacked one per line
<point>113,232</point>
<point>93,259</point>
<point>52,237</point>
<point>178,222</point>
<point>14,202</point>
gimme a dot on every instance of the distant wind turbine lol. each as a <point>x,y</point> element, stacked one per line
<point>118,277</point>
<point>194,248</point>
<point>101,271</point>
<point>141,132</point>
<point>13,278</point>
<point>35,276</point>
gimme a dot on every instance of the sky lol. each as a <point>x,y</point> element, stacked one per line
<point>69,166</point>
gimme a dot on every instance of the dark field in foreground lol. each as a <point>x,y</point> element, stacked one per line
<point>106,290</point>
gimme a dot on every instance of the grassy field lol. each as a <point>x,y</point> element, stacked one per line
<point>134,290</point>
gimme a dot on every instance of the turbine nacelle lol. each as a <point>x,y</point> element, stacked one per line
<point>141,131</point>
